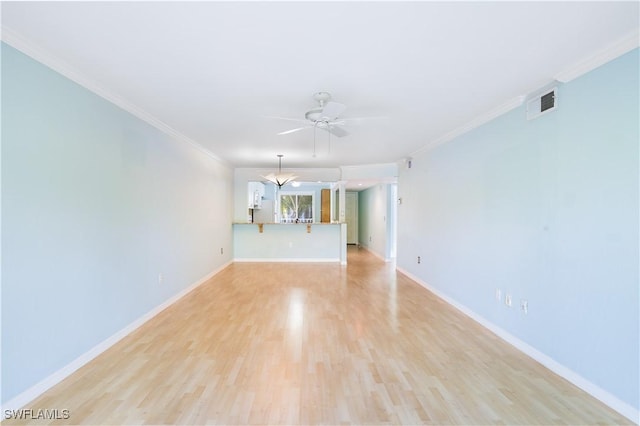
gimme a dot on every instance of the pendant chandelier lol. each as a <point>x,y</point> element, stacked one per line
<point>280,179</point>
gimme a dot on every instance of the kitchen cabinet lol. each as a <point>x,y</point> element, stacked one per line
<point>325,206</point>
<point>255,193</point>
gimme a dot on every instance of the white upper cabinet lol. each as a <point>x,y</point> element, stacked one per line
<point>255,194</point>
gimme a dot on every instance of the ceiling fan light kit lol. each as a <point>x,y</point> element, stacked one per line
<point>324,116</point>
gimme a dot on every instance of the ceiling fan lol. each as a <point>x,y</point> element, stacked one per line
<point>325,116</point>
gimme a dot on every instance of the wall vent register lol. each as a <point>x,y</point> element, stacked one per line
<point>542,104</point>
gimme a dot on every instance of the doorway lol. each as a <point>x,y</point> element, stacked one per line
<point>351,218</point>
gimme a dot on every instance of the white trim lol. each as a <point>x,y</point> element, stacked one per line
<point>287,260</point>
<point>597,392</point>
<point>476,122</point>
<point>30,49</point>
<point>619,48</point>
<point>376,254</point>
<point>39,388</point>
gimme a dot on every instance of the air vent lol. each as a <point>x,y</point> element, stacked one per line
<point>541,104</point>
<point>547,101</point>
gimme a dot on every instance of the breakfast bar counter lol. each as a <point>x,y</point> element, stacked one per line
<point>290,242</point>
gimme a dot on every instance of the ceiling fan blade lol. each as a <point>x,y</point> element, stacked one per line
<point>334,130</point>
<point>338,131</point>
<point>355,119</point>
<point>298,120</point>
<point>286,132</point>
<point>332,110</point>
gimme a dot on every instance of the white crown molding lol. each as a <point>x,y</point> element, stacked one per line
<point>476,122</point>
<point>30,49</point>
<point>619,48</point>
<point>597,392</point>
<point>613,51</point>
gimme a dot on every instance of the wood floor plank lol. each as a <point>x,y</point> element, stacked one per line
<point>265,343</point>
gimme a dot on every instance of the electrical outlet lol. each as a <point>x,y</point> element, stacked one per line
<point>524,306</point>
<point>418,259</point>
<point>221,250</point>
<point>498,294</point>
<point>507,300</point>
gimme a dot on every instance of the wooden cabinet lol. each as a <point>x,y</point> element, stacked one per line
<point>325,206</point>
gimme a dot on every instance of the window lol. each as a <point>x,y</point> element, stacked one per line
<point>296,207</point>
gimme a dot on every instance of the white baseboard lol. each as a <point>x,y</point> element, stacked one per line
<point>376,254</point>
<point>287,260</point>
<point>602,395</point>
<point>39,388</point>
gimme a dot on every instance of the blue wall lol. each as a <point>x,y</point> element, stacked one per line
<point>546,210</point>
<point>373,218</point>
<point>95,205</point>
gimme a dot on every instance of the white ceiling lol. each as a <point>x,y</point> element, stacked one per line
<point>214,71</point>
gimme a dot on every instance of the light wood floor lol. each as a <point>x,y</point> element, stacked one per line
<point>317,344</point>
